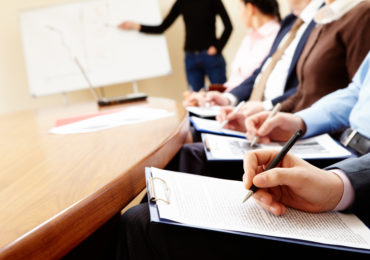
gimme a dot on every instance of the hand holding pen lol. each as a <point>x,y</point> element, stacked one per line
<point>236,109</point>
<point>274,111</point>
<point>276,160</point>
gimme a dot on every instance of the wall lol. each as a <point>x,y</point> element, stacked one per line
<point>14,94</point>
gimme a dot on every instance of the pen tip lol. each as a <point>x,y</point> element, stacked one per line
<point>249,194</point>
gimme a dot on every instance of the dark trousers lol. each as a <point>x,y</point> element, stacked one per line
<point>200,64</point>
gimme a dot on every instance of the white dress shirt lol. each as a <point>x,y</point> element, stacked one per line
<point>335,11</point>
<point>276,82</point>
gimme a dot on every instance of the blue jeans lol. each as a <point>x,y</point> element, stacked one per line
<point>199,65</point>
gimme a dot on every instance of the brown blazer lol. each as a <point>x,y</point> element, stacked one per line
<point>331,57</point>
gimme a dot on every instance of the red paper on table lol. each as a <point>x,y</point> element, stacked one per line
<point>69,120</point>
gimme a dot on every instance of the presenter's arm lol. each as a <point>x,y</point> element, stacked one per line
<point>167,22</point>
<point>220,9</point>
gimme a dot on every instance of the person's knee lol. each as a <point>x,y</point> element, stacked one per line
<point>192,151</point>
<point>135,219</point>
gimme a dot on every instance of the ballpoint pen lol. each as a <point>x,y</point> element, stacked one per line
<point>273,113</point>
<point>236,109</point>
<point>276,160</point>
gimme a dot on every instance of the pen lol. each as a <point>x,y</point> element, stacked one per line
<point>206,88</point>
<point>236,109</point>
<point>277,159</point>
<point>273,113</point>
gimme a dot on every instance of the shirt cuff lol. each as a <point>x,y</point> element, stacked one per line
<point>267,105</point>
<point>310,121</point>
<point>233,99</point>
<point>348,193</point>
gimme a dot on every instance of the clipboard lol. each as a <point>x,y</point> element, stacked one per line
<point>236,148</point>
<point>204,112</point>
<point>155,217</point>
<point>196,122</point>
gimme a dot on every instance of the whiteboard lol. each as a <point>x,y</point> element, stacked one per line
<point>52,36</point>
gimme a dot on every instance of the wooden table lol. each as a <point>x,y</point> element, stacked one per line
<point>56,190</point>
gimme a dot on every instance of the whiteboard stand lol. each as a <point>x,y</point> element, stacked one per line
<point>135,86</point>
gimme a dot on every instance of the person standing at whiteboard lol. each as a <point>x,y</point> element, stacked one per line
<point>203,50</point>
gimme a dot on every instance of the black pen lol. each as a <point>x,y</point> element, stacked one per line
<point>277,160</point>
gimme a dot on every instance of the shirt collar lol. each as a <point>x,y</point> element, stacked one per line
<point>310,10</point>
<point>267,29</point>
<point>335,11</point>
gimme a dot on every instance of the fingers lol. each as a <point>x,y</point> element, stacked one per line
<point>224,112</point>
<point>215,97</point>
<point>252,161</point>
<point>269,125</point>
<point>268,202</point>
<point>253,123</point>
<point>287,122</point>
<point>280,177</point>
<point>128,25</point>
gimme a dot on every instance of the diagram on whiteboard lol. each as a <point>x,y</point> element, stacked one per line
<point>53,36</point>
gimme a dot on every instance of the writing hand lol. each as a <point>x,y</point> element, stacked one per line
<point>235,119</point>
<point>279,128</point>
<point>295,183</point>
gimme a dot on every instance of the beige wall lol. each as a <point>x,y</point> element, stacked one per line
<point>14,94</point>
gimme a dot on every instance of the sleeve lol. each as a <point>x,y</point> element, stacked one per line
<point>167,22</point>
<point>220,9</point>
<point>358,173</point>
<point>333,117</point>
<point>357,39</point>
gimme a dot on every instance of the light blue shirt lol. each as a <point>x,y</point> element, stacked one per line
<point>348,107</point>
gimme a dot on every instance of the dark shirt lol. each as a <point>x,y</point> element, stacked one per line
<point>200,23</point>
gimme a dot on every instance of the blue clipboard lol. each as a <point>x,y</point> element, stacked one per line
<point>155,217</point>
<point>220,132</point>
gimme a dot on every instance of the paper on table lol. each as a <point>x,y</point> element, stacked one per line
<point>217,204</point>
<point>318,147</point>
<point>213,126</point>
<point>204,111</point>
<point>130,115</point>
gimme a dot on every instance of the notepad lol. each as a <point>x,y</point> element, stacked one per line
<point>216,204</point>
<point>131,115</point>
<point>219,147</point>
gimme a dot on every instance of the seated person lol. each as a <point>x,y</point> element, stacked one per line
<point>332,55</point>
<point>343,109</point>
<point>325,116</point>
<point>343,186</point>
<point>262,19</point>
